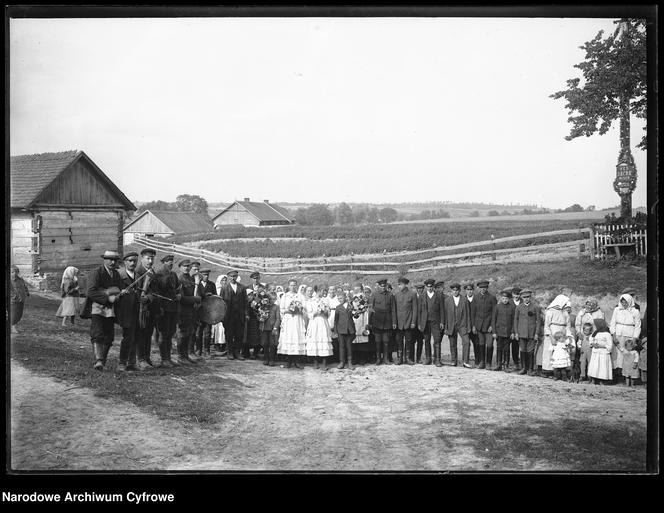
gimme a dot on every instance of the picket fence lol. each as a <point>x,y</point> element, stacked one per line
<point>358,264</point>
<point>606,236</point>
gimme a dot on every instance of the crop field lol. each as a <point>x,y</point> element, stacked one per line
<point>330,241</point>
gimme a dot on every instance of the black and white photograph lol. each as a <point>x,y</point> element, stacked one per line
<point>343,241</point>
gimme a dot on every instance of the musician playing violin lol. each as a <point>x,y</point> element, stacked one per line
<point>147,286</point>
<point>126,312</point>
<point>169,286</point>
<point>104,285</point>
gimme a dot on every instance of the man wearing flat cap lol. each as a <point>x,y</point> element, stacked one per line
<point>457,323</point>
<point>148,308</point>
<point>382,319</point>
<point>255,281</point>
<point>431,320</point>
<point>102,320</point>
<point>126,313</point>
<point>473,336</point>
<point>406,307</point>
<point>235,295</point>
<point>482,321</point>
<point>169,288</point>
<point>418,335</point>
<point>516,299</point>
<point>204,330</point>
<point>188,300</point>
<point>527,323</point>
<point>503,324</point>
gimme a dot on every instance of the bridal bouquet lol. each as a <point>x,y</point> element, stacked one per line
<point>261,305</point>
<point>360,305</point>
<point>322,308</point>
<point>295,306</point>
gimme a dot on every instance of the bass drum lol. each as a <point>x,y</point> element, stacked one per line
<point>212,310</point>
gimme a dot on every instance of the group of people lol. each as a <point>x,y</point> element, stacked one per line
<point>354,323</point>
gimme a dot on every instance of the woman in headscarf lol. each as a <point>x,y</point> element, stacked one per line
<point>625,323</point>
<point>70,305</point>
<point>588,314</point>
<point>218,335</point>
<point>600,366</point>
<point>556,319</point>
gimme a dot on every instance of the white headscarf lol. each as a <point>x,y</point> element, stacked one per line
<point>218,282</point>
<point>69,275</point>
<point>629,299</point>
<point>561,301</point>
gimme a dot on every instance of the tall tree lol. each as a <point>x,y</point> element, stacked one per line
<point>615,86</point>
<point>301,216</point>
<point>191,203</point>
<point>319,214</point>
<point>372,215</point>
<point>388,215</point>
<point>156,205</point>
<point>343,213</point>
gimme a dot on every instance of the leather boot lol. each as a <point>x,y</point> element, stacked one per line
<point>349,350</point>
<point>386,352</point>
<point>489,357</point>
<point>107,348</point>
<point>273,355</point>
<point>408,353</point>
<point>427,352</point>
<point>531,362</point>
<point>98,350</point>
<point>418,350</point>
<point>342,353</point>
<point>437,355</point>
<point>481,351</point>
<point>378,359</point>
<point>524,363</point>
<point>399,354</point>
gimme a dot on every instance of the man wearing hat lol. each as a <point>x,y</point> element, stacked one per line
<point>406,306</point>
<point>527,322</point>
<point>474,338</point>
<point>169,288</point>
<point>516,299</point>
<point>457,323</point>
<point>485,306</point>
<point>188,300</point>
<point>235,295</point>
<point>256,281</point>
<point>126,313</point>
<point>382,319</point>
<point>503,324</point>
<point>102,320</point>
<point>418,335</point>
<point>431,320</point>
<point>148,308</point>
<point>204,330</point>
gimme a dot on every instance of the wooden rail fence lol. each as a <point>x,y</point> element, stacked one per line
<point>615,236</point>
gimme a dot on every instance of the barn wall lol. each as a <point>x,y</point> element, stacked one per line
<point>149,224</point>
<point>22,241</point>
<point>77,238</point>
<point>236,215</point>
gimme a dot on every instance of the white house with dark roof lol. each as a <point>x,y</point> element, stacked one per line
<point>253,213</point>
<point>162,223</point>
<point>64,211</point>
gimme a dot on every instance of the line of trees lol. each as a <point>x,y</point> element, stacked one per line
<point>320,214</point>
<point>183,203</point>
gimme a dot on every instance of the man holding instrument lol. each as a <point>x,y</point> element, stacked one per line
<point>126,313</point>
<point>103,290</point>
<point>169,288</point>
<point>188,300</point>
<point>148,307</point>
<point>204,330</point>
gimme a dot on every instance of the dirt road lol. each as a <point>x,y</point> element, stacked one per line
<point>374,418</point>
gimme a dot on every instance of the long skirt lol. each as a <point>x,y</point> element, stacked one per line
<point>69,306</point>
<point>292,339</point>
<point>600,366</point>
<point>253,333</point>
<point>218,334</point>
<point>319,337</point>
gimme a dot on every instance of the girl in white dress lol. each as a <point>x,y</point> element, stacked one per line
<point>625,324</point>
<point>218,335</point>
<point>601,342</point>
<point>70,295</point>
<point>292,340</point>
<point>319,335</point>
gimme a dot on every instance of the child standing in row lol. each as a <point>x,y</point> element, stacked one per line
<point>344,327</point>
<point>600,367</point>
<point>269,329</point>
<point>584,348</point>
<point>643,361</point>
<point>560,360</point>
<point>630,369</point>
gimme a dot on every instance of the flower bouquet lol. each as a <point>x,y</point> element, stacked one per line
<point>360,305</point>
<point>322,308</point>
<point>261,305</point>
<point>295,307</point>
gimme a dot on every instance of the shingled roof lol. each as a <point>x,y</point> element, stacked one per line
<point>179,222</point>
<point>262,210</point>
<point>31,174</point>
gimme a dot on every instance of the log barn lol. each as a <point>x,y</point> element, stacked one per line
<point>253,213</point>
<point>64,211</point>
<point>162,223</point>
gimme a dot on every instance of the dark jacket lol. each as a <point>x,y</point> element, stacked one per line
<point>207,289</point>
<point>153,305</point>
<point>100,280</point>
<point>236,302</point>
<point>169,285</point>
<point>406,305</point>
<point>430,309</point>
<point>343,320</point>
<point>126,306</point>
<point>457,317</point>
<point>483,312</point>
<point>503,319</point>
<point>527,320</point>
<point>274,320</point>
<point>382,310</point>
<point>188,299</point>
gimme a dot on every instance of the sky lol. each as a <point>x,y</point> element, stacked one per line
<point>317,109</point>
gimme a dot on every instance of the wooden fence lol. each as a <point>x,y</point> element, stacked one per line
<point>610,238</point>
<point>357,263</point>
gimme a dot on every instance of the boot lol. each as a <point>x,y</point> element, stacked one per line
<point>378,360</point>
<point>107,348</point>
<point>427,352</point>
<point>531,363</point>
<point>489,357</point>
<point>386,351</point>
<point>98,351</point>
<point>399,354</point>
<point>342,354</point>
<point>436,354</point>
<point>418,351</point>
<point>408,350</point>
<point>481,353</point>
<point>349,350</point>
<point>273,355</point>
<point>524,363</point>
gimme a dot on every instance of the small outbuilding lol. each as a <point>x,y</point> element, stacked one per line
<point>64,211</point>
<point>162,223</point>
<point>253,213</point>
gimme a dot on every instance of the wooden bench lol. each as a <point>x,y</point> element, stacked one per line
<point>617,246</point>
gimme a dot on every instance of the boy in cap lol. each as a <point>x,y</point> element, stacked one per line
<point>418,335</point>
<point>473,336</point>
<point>516,300</point>
<point>406,307</point>
<point>169,287</point>
<point>503,324</point>
<point>148,308</point>
<point>102,319</point>
<point>382,319</point>
<point>126,313</point>
<point>527,322</point>
<point>485,306</point>
<point>457,323</point>
<point>431,320</point>
<point>235,295</point>
<point>204,330</point>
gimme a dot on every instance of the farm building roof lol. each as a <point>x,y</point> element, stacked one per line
<point>262,210</point>
<point>30,175</point>
<point>179,222</point>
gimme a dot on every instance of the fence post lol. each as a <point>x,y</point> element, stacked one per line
<point>351,262</point>
<point>299,263</point>
<point>493,246</point>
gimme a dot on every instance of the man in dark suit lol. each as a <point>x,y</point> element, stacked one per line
<point>418,335</point>
<point>186,317</point>
<point>406,306</point>
<point>235,295</point>
<point>102,320</point>
<point>344,327</point>
<point>126,313</point>
<point>473,336</point>
<point>457,322</point>
<point>148,307</point>
<point>516,300</point>
<point>169,287</point>
<point>503,324</point>
<point>486,305</point>
<point>431,320</point>
<point>527,323</point>
<point>204,330</point>
<point>382,319</point>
